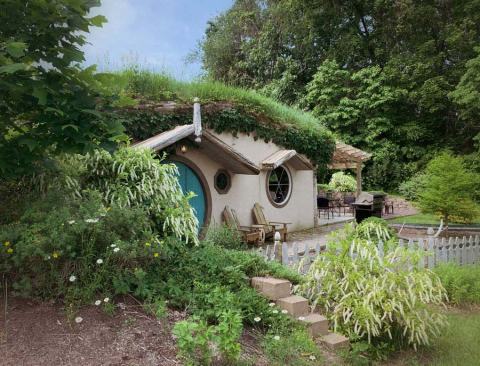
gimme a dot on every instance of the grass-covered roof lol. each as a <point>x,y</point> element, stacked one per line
<point>163,103</point>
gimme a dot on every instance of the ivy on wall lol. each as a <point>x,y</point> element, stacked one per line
<point>317,144</point>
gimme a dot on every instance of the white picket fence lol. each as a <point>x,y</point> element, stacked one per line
<point>463,251</point>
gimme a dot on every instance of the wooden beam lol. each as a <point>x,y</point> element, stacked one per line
<point>359,179</point>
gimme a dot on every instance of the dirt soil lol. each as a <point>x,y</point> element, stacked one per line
<point>34,333</point>
<point>38,334</point>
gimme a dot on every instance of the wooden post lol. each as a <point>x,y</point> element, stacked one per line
<point>359,178</point>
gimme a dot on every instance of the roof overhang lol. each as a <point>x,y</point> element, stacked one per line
<point>209,144</point>
<point>347,157</point>
<point>297,161</point>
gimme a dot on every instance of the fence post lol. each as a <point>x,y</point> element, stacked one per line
<point>277,246</point>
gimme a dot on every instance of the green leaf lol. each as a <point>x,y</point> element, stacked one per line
<point>41,95</point>
<point>70,126</point>
<point>12,68</point>
<point>98,20</point>
<point>16,49</point>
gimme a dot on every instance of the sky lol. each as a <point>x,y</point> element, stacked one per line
<point>157,34</point>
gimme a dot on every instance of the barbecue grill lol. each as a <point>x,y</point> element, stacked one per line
<point>368,204</point>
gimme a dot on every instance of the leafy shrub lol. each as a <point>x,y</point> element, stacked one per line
<point>461,282</point>
<point>77,248</point>
<point>374,296</point>
<point>225,236</point>
<point>135,178</point>
<point>411,188</point>
<point>342,182</point>
<point>291,346</point>
<point>195,339</point>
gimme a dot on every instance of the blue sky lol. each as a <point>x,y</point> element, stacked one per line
<point>158,34</point>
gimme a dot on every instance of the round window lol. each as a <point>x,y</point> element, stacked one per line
<point>222,181</point>
<point>279,186</point>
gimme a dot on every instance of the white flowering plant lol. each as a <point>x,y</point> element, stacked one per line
<point>378,295</point>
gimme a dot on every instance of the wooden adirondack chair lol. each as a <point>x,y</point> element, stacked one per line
<point>251,234</point>
<point>270,227</point>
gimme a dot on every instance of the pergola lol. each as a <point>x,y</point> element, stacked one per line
<point>349,157</point>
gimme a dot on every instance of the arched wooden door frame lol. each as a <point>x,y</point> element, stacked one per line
<point>206,189</point>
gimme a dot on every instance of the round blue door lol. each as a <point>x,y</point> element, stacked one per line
<point>190,182</point>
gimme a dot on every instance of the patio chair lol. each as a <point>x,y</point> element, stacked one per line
<point>323,205</point>
<point>251,234</point>
<point>269,227</point>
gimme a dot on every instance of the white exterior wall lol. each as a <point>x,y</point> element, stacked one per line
<point>245,190</point>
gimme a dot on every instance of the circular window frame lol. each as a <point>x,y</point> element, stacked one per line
<point>229,181</point>
<point>290,190</point>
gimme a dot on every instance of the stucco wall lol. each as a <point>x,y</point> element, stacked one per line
<point>248,189</point>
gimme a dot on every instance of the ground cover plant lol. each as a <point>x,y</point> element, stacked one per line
<point>461,282</point>
<point>377,295</point>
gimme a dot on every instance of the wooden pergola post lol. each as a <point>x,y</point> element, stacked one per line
<point>359,178</point>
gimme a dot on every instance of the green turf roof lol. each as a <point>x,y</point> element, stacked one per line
<point>286,126</point>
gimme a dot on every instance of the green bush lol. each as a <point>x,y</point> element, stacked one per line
<point>373,296</point>
<point>461,282</point>
<point>341,182</point>
<point>195,339</point>
<point>291,346</point>
<point>135,178</point>
<point>77,249</point>
<point>411,188</point>
<point>225,236</point>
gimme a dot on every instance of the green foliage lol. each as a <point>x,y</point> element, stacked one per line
<point>135,178</point>
<point>293,347</point>
<point>224,109</point>
<point>49,103</point>
<point>398,79</point>
<point>341,182</point>
<point>410,188</point>
<point>461,282</point>
<point>225,236</point>
<point>374,297</point>
<point>77,249</point>
<point>195,338</point>
<point>448,189</point>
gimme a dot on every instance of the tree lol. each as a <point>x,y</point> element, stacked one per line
<point>416,60</point>
<point>48,103</point>
<point>448,189</point>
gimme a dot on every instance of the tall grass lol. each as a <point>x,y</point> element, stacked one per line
<point>157,86</point>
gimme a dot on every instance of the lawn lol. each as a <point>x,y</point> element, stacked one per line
<point>421,218</point>
<point>458,345</point>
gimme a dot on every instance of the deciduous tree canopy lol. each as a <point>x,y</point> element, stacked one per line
<point>396,78</point>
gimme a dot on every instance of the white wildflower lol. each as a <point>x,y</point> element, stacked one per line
<point>92,221</point>
<point>116,249</point>
<point>275,311</point>
<point>98,302</point>
<point>284,311</point>
<point>71,222</point>
<point>99,261</point>
<point>277,338</point>
<point>272,304</point>
<point>257,319</point>
<point>72,278</point>
<point>106,299</point>
<point>78,319</point>
<point>113,245</point>
<point>312,358</point>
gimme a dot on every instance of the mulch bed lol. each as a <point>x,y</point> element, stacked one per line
<point>38,333</point>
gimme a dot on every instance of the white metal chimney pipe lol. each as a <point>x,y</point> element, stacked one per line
<point>197,119</point>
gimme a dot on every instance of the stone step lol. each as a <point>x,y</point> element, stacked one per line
<point>272,288</point>
<point>295,305</point>
<point>335,341</point>
<point>317,324</point>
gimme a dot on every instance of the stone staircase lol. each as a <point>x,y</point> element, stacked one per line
<point>297,306</point>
